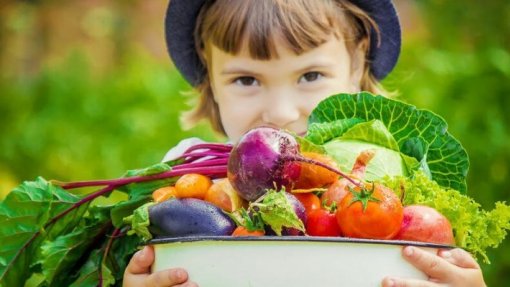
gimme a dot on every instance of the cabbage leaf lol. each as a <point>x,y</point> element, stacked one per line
<point>418,134</point>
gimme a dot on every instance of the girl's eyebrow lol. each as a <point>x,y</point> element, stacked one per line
<point>240,70</point>
<point>237,71</point>
<point>316,66</point>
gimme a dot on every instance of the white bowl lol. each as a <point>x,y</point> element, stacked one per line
<point>298,261</point>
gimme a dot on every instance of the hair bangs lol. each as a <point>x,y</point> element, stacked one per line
<point>300,24</point>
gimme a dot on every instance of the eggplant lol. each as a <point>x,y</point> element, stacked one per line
<point>188,217</point>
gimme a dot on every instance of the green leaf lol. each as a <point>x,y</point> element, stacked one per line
<point>121,252</point>
<point>385,162</point>
<point>372,132</point>
<point>112,268</point>
<point>321,132</point>
<point>61,255</point>
<point>139,222</point>
<point>139,194</point>
<point>23,217</point>
<point>446,158</point>
<point>277,212</point>
<point>307,146</point>
<point>251,221</point>
<point>153,169</point>
<point>89,272</point>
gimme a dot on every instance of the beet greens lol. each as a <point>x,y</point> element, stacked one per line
<point>46,225</point>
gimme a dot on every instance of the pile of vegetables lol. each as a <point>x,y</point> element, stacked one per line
<point>369,167</point>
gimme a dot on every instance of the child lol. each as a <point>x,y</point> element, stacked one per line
<point>270,62</point>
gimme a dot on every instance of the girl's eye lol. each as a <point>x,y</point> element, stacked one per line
<point>246,81</point>
<point>310,77</point>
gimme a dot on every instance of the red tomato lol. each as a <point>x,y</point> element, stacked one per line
<point>375,212</point>
<point>321,222</point>
<point>309,200</point>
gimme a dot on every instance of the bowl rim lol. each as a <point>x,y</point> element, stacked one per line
<point>195,238</point>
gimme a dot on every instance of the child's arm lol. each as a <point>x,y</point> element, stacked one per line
<point>448,268</point>
<point>138,273</point>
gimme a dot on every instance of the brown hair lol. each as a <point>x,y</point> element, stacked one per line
<point>303,24</point>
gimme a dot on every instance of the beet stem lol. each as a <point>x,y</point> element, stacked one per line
<point>210,146</point>
<point>212,162</point>
<point>191,156</point>
<point>207,170</point>
<point>114,235</point>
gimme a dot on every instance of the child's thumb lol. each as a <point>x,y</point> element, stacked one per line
<point>141,261</point>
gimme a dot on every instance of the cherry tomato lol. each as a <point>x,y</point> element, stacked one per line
<point>223,195</point>
<point>321,222</point>
<point>192,185</point>
<point>372,212</point>
<point>164,193</point>
<point>309,200</point>
<point>242,231</point>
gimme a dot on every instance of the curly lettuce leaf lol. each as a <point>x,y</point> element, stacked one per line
<point>474,229</point>
<point>419,133</point>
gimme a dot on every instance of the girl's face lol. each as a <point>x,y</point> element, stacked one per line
<point>280,92</point>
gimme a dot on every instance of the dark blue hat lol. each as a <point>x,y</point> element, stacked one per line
<point>181,17</point>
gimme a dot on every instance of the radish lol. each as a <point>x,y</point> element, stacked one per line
<point>267,158</point>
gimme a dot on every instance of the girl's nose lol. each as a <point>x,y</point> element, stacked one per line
<point>280,110</point>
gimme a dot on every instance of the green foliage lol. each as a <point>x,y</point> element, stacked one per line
<point>24,217</point>
<point>68,124</point>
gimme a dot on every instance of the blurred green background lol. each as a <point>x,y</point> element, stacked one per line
<point>87,90</point>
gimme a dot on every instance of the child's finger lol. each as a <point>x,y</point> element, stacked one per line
<point>459,257</point>
<point>141,261</point>
<point>400,282</point>
<point>429,263</point>
<point>167,278</point>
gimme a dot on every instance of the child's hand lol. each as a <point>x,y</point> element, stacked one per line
<point>138,273</point>
<point>454,267</point>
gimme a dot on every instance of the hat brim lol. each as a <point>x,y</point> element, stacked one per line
<point>181,18</point>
